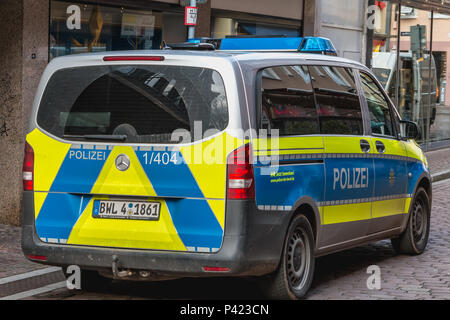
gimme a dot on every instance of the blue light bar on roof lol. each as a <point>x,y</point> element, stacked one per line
<point>195,40</point>
<point>307,44</point>
<point>248,43</point>
<point>317,44</point>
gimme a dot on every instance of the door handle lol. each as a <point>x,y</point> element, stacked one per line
<point>380,147</point>
<point>365,146</point>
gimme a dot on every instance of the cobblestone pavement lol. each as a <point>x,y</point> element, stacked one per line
<point>338,276</point>
<point>12,260</point>
<point>344,275</point>
<point>439,160</point>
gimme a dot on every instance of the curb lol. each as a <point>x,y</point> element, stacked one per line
<point>17,284</point>
<point>439,176</point>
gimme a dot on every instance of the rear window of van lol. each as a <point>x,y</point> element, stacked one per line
<point>141,104</point>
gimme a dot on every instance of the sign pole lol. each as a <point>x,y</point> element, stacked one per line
<point>191,33</point>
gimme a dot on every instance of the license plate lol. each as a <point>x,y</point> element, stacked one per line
<point>118,209</point>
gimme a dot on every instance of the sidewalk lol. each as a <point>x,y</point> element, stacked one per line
<point>12,261</point>
<point>439,163</point>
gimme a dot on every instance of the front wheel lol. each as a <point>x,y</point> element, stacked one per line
<point>295,272</point>
<point>415,238</point>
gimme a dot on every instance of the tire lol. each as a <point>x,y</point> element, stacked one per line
<point>415,238</point>
<point>295,272</point>
<point>91,280</point>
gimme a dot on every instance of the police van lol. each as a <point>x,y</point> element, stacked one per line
<point>152,165</point>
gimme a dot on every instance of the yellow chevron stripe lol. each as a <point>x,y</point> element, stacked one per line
<point>218,207</point>
<point>49,154</point>
<point>133,182</point>
<point>39,199</point>
<point>123,233</point>
<point>207,162</point>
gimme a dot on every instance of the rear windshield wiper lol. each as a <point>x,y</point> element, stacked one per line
<point>116,137</point>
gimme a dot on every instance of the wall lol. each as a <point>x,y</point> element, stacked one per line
<point>24,34</point>
<point>346,28</point>
<point>11,124</point>
<point>291,9</point>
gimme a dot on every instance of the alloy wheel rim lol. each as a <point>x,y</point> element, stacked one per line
<point>298,256</point>
<point>418,221</point>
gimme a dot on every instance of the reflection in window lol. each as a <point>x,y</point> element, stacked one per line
<point>223,27</point>
<point>338,100</point>
<point>380,116</point>
<point>288,101</point>
<point>81,28</point>
<point>145,103</point>
<point>408,12</point>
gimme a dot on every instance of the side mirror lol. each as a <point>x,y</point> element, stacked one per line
<point>409,130</point>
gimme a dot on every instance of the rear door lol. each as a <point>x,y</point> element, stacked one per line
<point>109,170</point>
<point>289,148</point>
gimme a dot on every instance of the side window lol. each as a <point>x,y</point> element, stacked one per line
<point>287,101</point>
<point>380,115</point>
<point>338,101</point>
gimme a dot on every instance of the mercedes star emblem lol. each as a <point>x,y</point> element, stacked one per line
<point>122,162</point>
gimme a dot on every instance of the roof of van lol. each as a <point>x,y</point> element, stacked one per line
<point>242,56</point>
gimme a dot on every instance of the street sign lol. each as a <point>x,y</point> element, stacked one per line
<point>190,18</point>
<point>418,39</point>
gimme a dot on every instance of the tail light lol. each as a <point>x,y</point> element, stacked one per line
<point>36,257</point>
<point>241,179</point>
<point>216,269</point>
<point>134,58</point>
<point>28,168</point>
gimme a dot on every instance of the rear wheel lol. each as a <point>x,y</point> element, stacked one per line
<point>295,272</point>
<point>415,238</point>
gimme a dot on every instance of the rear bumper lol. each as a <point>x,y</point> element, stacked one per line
<point>252,245</point>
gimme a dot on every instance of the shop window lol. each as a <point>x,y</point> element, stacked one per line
<point>419,89</point>
<point>408,12</point>
<point>223,27</point>
<point>439,15</point>
<point>83,28</point>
